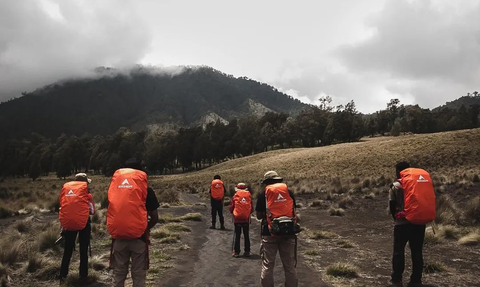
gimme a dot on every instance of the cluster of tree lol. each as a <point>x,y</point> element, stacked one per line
<point>196,147</point>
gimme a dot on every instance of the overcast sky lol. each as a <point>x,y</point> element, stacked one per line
<point>370,51</point>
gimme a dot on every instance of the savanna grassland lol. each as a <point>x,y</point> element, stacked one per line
<point>341,196</point>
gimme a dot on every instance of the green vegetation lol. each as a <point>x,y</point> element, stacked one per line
<point>433,267</point>
<point>323,235</point>
<point>342,270</point>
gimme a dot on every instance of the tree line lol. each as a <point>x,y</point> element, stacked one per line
<point>192,148</point>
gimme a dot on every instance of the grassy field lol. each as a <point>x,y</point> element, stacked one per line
<point>332,178</point>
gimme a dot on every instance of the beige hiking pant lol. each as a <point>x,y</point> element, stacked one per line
<point>123,250</point>
<point>286,247</point>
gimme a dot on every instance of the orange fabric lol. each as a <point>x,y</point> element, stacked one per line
<point>74,210</point>
<point>217,190</point>
<point>243,205</point>
<point>127,195</point>
<point>419,195</point>
<point>279,202</point>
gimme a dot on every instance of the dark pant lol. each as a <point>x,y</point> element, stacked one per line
<point>70,237</point>
<point>414,235</point>
<point>217,207</point>
<point>246,236</point>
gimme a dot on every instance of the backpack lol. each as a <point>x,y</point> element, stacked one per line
<point>281,218</point>
<point>243,204</point>
<point>74,209</point>
<point>127,213</point>
<point>216,189</point>
<point>419,195</point>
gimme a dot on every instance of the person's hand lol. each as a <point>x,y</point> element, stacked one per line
<point>400,215</point>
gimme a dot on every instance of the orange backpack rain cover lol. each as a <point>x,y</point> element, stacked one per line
<point>419,195</point>
<point>74,212</point>
<point>217,190</point>
<point>127,195</point>
<point>279,201</point>
<point>243,204</point>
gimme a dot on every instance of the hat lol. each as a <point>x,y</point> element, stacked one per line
<point>216,177</point>
<point>271,175</point>
<point>241,185</point>
<point>82,177</point>
<point>133,163</point>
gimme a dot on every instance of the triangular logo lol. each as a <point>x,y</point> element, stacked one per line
<point>279,197</point>
<point>243,200</point>
<point>421,177</point>
<point>70,192</point>
<point>125,182</point>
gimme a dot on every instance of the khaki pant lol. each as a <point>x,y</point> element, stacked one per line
<point>123,250</point>
<point>286,247</point>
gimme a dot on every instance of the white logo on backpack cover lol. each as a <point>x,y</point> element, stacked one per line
<point>280,198</point>
<point>70,193</point>
<point>125,184</point>
<point>243,200</point>
<point>421,179</point>
<point>217,185</point>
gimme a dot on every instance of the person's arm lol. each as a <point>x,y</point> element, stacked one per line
<point>91,204</point>
<point>261,208</point>
<point>392,200</point>
<point>232,204</point>
<point>294,202</point>
<point>153,218</point>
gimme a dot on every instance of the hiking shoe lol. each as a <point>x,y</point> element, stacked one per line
<point>222,227</point>
<point>246,254</point>
<point>212,227</point>
<point>235,254</point>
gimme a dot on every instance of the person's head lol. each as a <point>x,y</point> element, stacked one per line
<point>271,177</point>
<point>401,166</point>
<point>82,177</point>
<point>241,186</point>
<point>133,163</point>
<point>217,177</point>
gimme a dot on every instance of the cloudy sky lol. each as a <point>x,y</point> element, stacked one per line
<point>422,52</point>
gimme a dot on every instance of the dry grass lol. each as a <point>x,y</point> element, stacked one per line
<point>312,252</point>
<point>192,217</point>
<point>447,211</point>
<point>345,244</point>
<point>323,235</point>
<point>176,227</point>
<point>336,211</point>
<point>433,267</point>
<point>344,270</point>
<point>450,232</point>
<point>345,201</point>
<point>472,239</point>
<point>166,218</point>
<point>472,211</point>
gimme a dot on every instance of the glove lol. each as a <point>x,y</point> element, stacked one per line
<point>400,215</point>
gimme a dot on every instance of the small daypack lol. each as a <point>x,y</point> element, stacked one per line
<point>127,195</point>
<point>281,218</point>
<point>419,195</point>
<point>243,204</point>
<point>74,209</point>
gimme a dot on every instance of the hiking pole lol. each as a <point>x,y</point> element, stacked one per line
<point>295,251</point>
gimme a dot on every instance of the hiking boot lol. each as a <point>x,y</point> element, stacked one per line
<point>222,227</point>
<point>246,254</point>
<point>212,227</point>
<point>235,254</point>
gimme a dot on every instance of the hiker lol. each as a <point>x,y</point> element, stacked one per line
<point>410,214</point>
<point>76,206</point>
<point>276,207</point>
<point>217,193</point>
<point>131,203</point>
<point>241,207</point>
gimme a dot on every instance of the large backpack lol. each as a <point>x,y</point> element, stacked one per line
<point>217,189</point>
<point>127,195</point>
<point>419,195</point>
<point>281,218</point>
<point>243,204</point>
<point>74,208</point>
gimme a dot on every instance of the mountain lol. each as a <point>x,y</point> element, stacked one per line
<point>142,98</point>
<point>467,101</point>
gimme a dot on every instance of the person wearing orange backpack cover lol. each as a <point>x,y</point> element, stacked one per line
<point>131,203</point>
<point>412,206</point>
<point>217,194</point>
<point>76,206</point>
<point>241,207</point>
<point>274,203</point>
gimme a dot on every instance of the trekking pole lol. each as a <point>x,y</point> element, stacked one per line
<point>295,251</point>
<point>233,239</point>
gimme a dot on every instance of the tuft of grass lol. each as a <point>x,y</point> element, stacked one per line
<point>169,240</point>
<point>5,212</point>
<point>3,270</point>
<point>371,195</point>
<point>23,226</point>
<point>450,232</point>
<point>11,251</point>
<point>160,233</point>
<point>192,217</point>
<point>168,218</point>
<point>177,227</point>
<point>169,196</point>
<point>447,211</point>
<point>476,178</point>
<point>97,263</point>
<point>160,255</point>
<point>76,280</point>
<point>323,235</point>
<point>312,252</point>
<point>472,239</point>
<point>345,243</point>
<point>345,202</point>
<point>472,211</point>
<point>342,270</point>
<point>430,238</point>
<point>34,263</point>
<point>433,267</point>
<point>316,203</point>
<point>165,205</point>
<point>46,240</point>
<point>49,270</point>
<point>184,247</point>
<point>336,211</point>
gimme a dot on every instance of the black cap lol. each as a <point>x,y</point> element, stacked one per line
<point>216,177</point>
<point>401,166</point>
<point>133,163</point>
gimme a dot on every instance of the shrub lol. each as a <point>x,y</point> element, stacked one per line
<point>433,267</point>
<point>169,196</point>
<point>312,252</point>
<point>447,211</point>
<point>471,239</point>
<point>11,251</point>
<point>472,210</point>
<point>476,178</point>
<point>371,195</point>
<point>345,244</point>
<point>450,232</point>
<point>47,239</point>
<point>323,235</point>
<point>35,262</point>
<point>336,211</point>
<point>345,201</point>
<point>431,238</point>
<point>342,270</point>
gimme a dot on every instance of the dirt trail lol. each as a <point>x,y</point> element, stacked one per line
<point>210,262</point>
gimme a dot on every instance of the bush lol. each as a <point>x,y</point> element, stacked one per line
<point>336,211</point>
<point>47,240</point>
<point>35,262</point>
<point>11,251</point>
<point>433,267</point>
<point>342,270</point>
<point>447,211</point>
<point>472,210</point>
<point>169,196</point>
<point>345,201</point>
<point>450,232</point>
<point>5,212</point>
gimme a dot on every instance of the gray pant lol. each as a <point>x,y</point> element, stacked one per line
<point>123,250</point>
<point>285,245</point>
